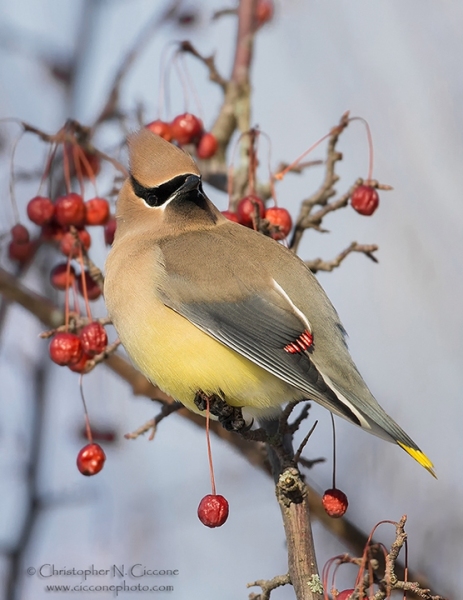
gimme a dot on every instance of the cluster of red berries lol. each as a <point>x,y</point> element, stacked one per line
<point>57,220</point>
<point>251,208</point>
<point>75,350</point>
<point>186,129</point>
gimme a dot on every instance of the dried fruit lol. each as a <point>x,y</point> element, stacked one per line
<point>335,503</point>
<point>365,200</point>
<point>207,146</point>
<point>19,234</point>
<point>93,289</point>
<point>109,231</point>
<point>91,459</point>
<point>65,349</point>
<point>247,207</point>
<point>281,220</point>
<point>70,210</point>
<point>160,128</point>
<point>231,216</point>
<point>40,210</point>
<point>186,129</point>
<point>345,594</point>
<point>69,246</point>
<point>213,510</point>
<point>60,278</point>
<point>94,338</point>
<point>97,211</point>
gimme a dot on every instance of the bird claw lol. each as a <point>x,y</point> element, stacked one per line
<point>230,417</point>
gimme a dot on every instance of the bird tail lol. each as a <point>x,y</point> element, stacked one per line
<point>419,457</point>
<point>366,412</point>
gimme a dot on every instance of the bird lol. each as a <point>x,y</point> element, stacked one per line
<point>208,308</point>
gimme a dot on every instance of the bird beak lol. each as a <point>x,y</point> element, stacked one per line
<point>193,182</point>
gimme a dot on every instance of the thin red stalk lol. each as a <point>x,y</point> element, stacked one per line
<point>46,171</point>
<point>281,174</point>
<point>370,145</point>
<point>183,82</point>
<point>76,297</point>
<point>191,85</point>
<point>334,450</point>
<point>87,420</point>
<point>67,174</point>
<point>12,193</point>
<point>66,295</point>
<point>209,451</point>
<point>78,168</point>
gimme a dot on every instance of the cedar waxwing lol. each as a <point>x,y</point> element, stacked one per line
<point>206,306</point>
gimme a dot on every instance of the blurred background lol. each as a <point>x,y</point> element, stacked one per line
<point>397,65</point>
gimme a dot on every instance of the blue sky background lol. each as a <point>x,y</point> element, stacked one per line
<point>395,63</point>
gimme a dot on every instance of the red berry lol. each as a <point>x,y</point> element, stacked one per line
<point>335,503</point>
<point>20,234</point>
<point>93,289</point>
<point>345,594</point>
<point>96,211</point>
<point>65,348</point>
<point>94,338</point>
<point>264,11</point>
<point>59,277</point>
<point>207,146</point>
<point>160,128</point>
<point>365,200</point>
<point>109,231</point>
<point>231,216</point>
<point>246,209</point>
<point>90,459</point>
<point>82,365</point>
<point>213,510</point>
<point>21,252</point>
<point>40,210</point>
<point>69,246</point>
<point>70,210</point>
<point>186,129</point>
<point>279,217</point>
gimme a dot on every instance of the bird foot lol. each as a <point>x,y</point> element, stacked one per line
<point>230,417</point>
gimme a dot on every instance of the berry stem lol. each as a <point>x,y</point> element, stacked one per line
<point>370,145</point>
<point>12,179</point>
<point>181,60</point>
<point>334,450</point>
<point>66,295</point>
<point>209,451</point>
<point>90,174</point>
<point>183,81</point>
<point>88,429</point>
<point>281,174</point>
<point>47,170</point>
<point>78,168</point>
<point>67,174</point>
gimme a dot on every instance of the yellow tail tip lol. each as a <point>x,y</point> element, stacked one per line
<point>419,457</point>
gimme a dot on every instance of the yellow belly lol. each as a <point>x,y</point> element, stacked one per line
<point>181,359</point>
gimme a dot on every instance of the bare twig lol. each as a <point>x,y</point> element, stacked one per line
<point>267,586</point>
<point>319,264</point>
<point>167,409</point>
<point>209,61</point>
